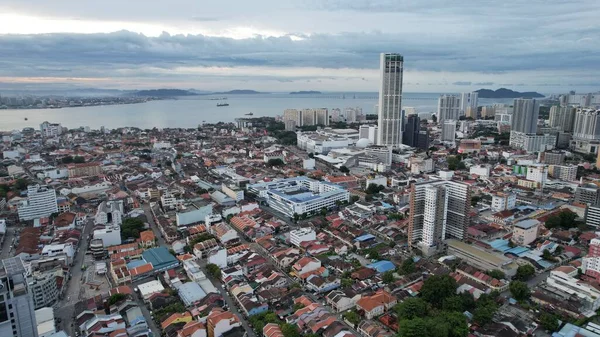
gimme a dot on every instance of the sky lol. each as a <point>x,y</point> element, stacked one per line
<point>551,46</point>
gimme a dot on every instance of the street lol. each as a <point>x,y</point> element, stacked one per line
<point>65,308</point>
<point>153,225</point>
<point>8,242</point>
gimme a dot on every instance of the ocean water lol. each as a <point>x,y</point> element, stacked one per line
<point>188,112</point>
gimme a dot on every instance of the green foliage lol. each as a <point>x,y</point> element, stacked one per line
<point>395,216</point>
<point>475,200</point>
<point>411,308</point>
<point>286,137</point>
<point>374,188</point>
<point>497,274</point>
<point>452,162</point>
<point>549,321</point>
<point>201,238</point>
<point>388,277</point>
<point>548,256</point>
<point>289,330</point>
<point>259,321</point>
<point>298,306</point>
<point>373,254</point>
<point>163,313</point>
<point>115,298</point>
<point>446,324</point>
<point>461,166</point>
<point>354,199</point>
<point>67,160</point>
<point>295,286</point>
<point>344,169</point>
<point>566,219</point>
<point>352,317</point>
<point>131,228</point>
<point>275,162</point>
<point>324,211</point>
<point>519,290</point>
<point>524,272</point>
<point>437,288</point>
<point>346,282</point>
<point>413,328</point>
<point>78,160</point>
<point>408,266</point>
<point>213,270</point>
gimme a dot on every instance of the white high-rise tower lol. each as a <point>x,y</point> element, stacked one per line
<point>390,122</point>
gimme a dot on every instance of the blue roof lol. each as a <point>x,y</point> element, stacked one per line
<point>500,244</point>
<point>190,293</point>
<point>570,330</point>
<point>518,251</point>
<point>136,263</point>
<point>365,237</point>
<point>159,257</point>
<point>382,266</point>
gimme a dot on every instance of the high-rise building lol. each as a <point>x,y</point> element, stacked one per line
<point>352,114</point>
<point>50,129</point>
<point>41,202</point>
<point>410,136</point>
<point>468,99</point>
<point>390,114</point>
<point>487,111</point>
<point>525,115</point>
<point>471,112</point>
<point>586,131</point>
<point>368,132</point>
<point>308,117</point>
<point>321,116</point>
<point>439,210</point>
<point>423,141</point>
<point>17,314</point>
<point>588,194</point>
<point>449,131</point>
<point>591,263</point>
<point>292,115</point>
<point>448,108</point>
<point>562,117</point>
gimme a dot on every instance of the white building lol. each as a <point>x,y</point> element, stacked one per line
<point>161,145</point>
<point>320,142</point>
<point>233,192</point>
<point>563,172</point>
<point>448,108</point>
<point>421,165</point>
<point>50,129</point>
<point>109,213</point>
<point>299,195</point>
<point>502,201</point>
<point>537,173</point>
<point>191,216</point>
<point>575,287</point>
<point>147,289</point>
<point>468,99</point>
<point>532,142</point>
<point>300,235</point>
<point>525,115</point>
<point>110,236</point>
<point>40,202</point>
<point>390,114</point>
<point>525,232</point>
<point>308,164</point>
<point>480,170</point>
<point>168,200</point>
<point>449,131</point>
<point>368,132</point>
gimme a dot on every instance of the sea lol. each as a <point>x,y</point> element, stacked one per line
<point>191,111</point>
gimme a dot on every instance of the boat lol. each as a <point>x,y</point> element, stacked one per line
<point>222,104</point>
<point>26,118</point>
<point>250,114</point>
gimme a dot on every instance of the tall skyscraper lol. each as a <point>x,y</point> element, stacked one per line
<point>448,108</point>
<point>41,202</point>
<point>439,210</point>
<point>410,136</point>
<point>17,315</point>
<point>449,131</point>
<point>390,112</point>
<point>368,132</point>
<point>525,115</point>
<point>562,117</point>
<point>468,99</point>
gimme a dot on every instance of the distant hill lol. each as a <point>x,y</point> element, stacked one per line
<point>238,92</point>
<point>309,92</point>
<point>507,93</point>
<point>164,93</point>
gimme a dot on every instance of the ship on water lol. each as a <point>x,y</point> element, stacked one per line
<point>222,104</point>
<point>250,114</point>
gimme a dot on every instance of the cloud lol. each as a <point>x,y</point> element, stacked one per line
<point>204,19</point>
<point>484,83</point>
<point>461,83</point>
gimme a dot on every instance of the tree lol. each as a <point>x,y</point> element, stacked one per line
<point>408,266</point>
<point>566,219</point>
<point>289,330</point>
<point>497,274</point>
<point>524,272</point>
<point>434,118</point>
<point>411,308</point>
<point>354,199</point>
<point>412,328</point>
<point>275,162</point>
<point>437,288</point>
<point>373,254</point>
<point>344,169</point>
<point>352,317</point>
<point>549,321</point>
<point>131,228</point>
<point>547,255</point>
<point>484,314</point>
<point>519,290</point>
<point>311,155</point>
<point>78,160</point>
<point>67,160</point>
<point>388,277</point>
<point>324,211</point>
<point>115,298</point>
<point>298,306</point>
<point>475,200</point>
<point>296,217</point>
<point>21,184</point>
<point>461,166</point>
<point>457,324</point>
<point>213,270</point>
<point>453,303</point>
<point>346,282</point>
<point>452,162</point>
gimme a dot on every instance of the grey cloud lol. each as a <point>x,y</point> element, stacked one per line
<point>204,19</point>
<point>484,83</point>
<point>462,83</point>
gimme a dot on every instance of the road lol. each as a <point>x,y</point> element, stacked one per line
<point>8,242</point>
<point>153,225</point>
<point>65,309</point>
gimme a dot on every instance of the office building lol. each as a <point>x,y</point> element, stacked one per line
<point>299,195</point>
<point>439,210</point>
<point>290,125</point>
<point>588,194</point>
<point>525,115</point>
<point>390,114</point>
<point>322,142</point>
<point>50,129</point>
<point>532,142</point>
<point>488,111</point>
<point>423,140</point>
<point>40,203</point>
<point>298,236</point>
<point>292,116</point>
<point>552,157</point>
<point>17,314</point>
<point>44,288</point>
<point>410,136</point>
<point>586,131</point>
<point>563,172</point>
<point>382,153</point>
<point>591,263</point>
<point>368,132</point>
<point>582,100</point>
<point>321,116</point>
<point>592,216</point>
<point>449,131</point>
<point>537,173</point>
<point>562,117</point>
<point>525,232</point>
<point>448,108</point>
<point>502,201</point>
<point>468,100</point>
<point>471,112</point>
<point>352,114</point>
